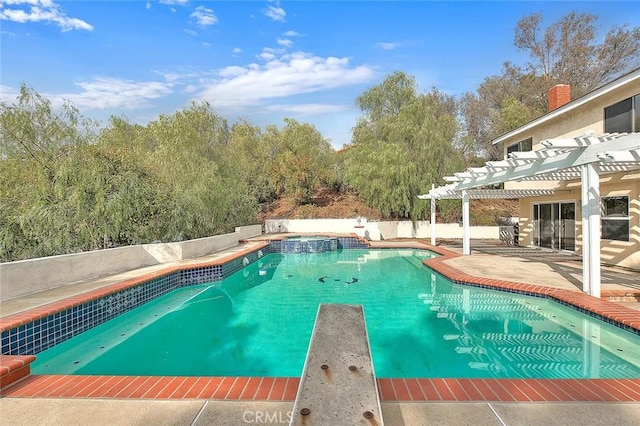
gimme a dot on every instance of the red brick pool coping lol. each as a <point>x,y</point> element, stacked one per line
<point>285,388</point>
<point>16,381</point>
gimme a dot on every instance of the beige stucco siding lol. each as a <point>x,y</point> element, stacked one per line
<point>622,253</point>
<point>577,118</point>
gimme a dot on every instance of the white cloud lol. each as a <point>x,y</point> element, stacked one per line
<point>8,94</point>
<point>270,53</point>
<point>276,13</point>
<point>307,109</point>
<point>191,32</point>
<point>291,34</point>
<point>45,3</point>
<point>387,46</point>
<point>40,11</point>
<point>148,5</point>
<point>287,75</point>
<point>273,50</point>
<point>190,88</point>
<point>205,44</point>
<point>266,56</point>
<point>285,42</point>
<point>108,92</point>
<point>236,51</point>
<point>232,71</point>
<point>178,2</point>
<point>182,76</point>
<point>204,16</point>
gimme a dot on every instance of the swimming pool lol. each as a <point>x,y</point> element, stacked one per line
<point>420,325</point>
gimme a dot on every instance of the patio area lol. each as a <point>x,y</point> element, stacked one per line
<point>491,259</point>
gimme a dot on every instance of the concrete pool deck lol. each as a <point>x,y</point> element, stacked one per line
<point>45,399</point>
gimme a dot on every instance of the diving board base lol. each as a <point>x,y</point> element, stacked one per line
<point>338,384</point>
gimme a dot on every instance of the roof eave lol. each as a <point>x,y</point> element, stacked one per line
<point>615,84</point>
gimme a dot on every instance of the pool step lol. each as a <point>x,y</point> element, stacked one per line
<point>338,384</point>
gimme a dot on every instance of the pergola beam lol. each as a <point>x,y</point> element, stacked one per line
<point>577,142</point>
<point>632,155</point>
<point>589,149</point>
<point>476,194</point>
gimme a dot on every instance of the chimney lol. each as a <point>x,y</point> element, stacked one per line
<point>558,95</point>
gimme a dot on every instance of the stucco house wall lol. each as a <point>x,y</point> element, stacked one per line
<point>568,121</point>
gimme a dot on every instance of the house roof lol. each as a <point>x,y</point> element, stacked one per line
<point>633,76</point>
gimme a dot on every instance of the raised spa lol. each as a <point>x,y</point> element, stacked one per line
<point>308,244</point>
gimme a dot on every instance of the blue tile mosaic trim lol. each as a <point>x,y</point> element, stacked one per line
<point>39,335</point>
<point>547,296</point>
<point>351,243</point>
<point>200,275</point>
<point>275,246</point>
<point>282,246</point>
<point>315,245</point>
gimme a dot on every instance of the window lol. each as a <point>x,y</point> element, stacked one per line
<point>525,145</point>
<point>636,101</point>
<point>623,117</point>
<point>615,218</point>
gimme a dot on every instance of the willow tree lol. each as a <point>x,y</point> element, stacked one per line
<point>188,150</point>
<point>38,139</point>
<point>247,155</point>
<point>403,142</point>
<point>298,159</point>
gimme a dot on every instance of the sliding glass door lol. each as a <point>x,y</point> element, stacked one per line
<point>554,225</point>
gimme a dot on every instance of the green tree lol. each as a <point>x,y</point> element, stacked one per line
<point>187,149</point>
<point>569,51</point>
<point>37,140</point>
<point>501,103</point>
<point>64,189</point>
<point>33,128</point>
<point>248,155</point>
<point>403,142</point>
<point>299,160</point>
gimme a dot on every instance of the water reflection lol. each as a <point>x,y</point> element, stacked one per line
<point>509,335</point>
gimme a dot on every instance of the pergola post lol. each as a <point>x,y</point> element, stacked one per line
<point>584,196</point>
<point>433,218</point>
<point>590,189</point>
<point>466,243</point>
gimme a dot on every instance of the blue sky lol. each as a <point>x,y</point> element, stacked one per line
<point>260,60</point>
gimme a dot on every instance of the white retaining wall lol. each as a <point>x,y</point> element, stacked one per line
<point>33,275</point>
<point>377,231</point>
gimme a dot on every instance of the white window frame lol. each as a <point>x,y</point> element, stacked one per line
<point>604,218</point>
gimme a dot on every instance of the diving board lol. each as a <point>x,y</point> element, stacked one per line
<point>338,384</point>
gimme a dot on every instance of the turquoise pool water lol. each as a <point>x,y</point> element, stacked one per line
<point>419,324</point>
